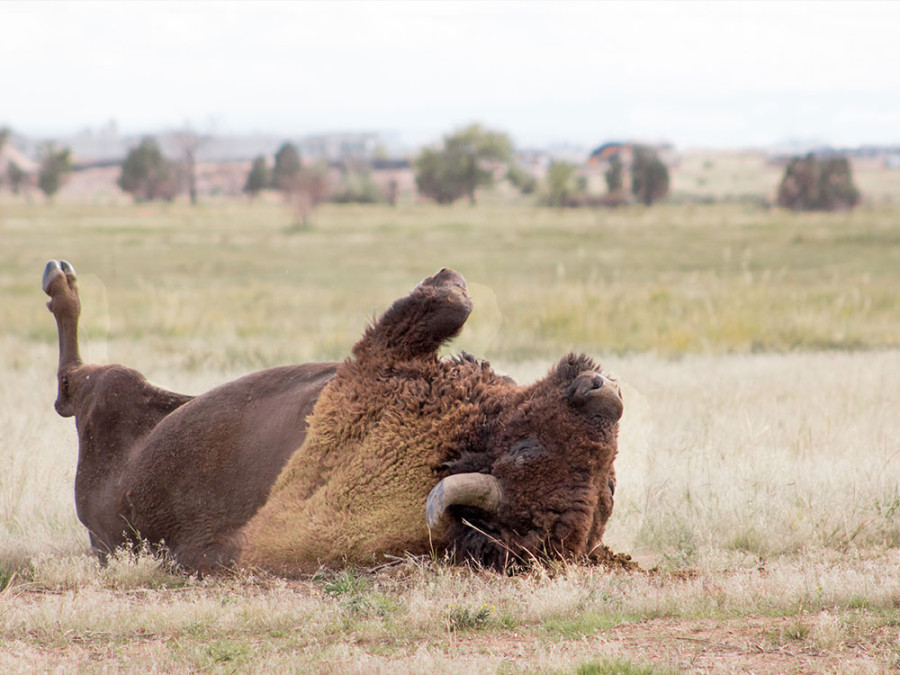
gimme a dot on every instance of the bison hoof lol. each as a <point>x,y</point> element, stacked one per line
<point>54,269</point>
<point>450,286</point>
<point>446,277</point>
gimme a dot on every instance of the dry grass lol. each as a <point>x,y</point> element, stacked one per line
<point>764,486</point>
<point>769,478</point>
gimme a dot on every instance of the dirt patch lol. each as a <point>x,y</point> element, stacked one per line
<point>614,561</point>
<point>754,644</point>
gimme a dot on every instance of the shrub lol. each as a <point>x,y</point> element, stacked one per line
<point>16,177</point>
<point>146,174</point>
<point>258,178</point>
<point>559,184</point>
<point>437,178</point>
<point>358,188</point>
<point>464,618</point>
<point>306,189</point>
<point>812,183</point>
<point>287,167</point>
<point>55,164</point>
<point>649,176</point>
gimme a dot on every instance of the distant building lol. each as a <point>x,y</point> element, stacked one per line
<point>340,146</point>
<point>107,147</point>
<point>599,161</point>
<point>869,156</point>
<point>604,154</point>
<point>9,154</point>
<point>11,158</point>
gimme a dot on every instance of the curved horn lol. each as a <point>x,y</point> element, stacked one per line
<point>462,489</point>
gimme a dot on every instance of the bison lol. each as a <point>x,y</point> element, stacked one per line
<point>393,450</point>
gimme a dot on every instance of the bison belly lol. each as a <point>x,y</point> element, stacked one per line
<point>209,466</point>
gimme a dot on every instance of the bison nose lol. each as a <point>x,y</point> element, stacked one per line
<point>598,381</point>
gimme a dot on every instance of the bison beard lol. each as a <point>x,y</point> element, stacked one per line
<point>509,473</point>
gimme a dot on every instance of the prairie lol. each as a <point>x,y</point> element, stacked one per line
<point>759,465</point>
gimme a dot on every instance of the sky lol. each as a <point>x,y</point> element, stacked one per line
<point>696,74</point>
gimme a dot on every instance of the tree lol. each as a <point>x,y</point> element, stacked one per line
<point>818,184</point>
<point>560,184</point>
<point>287,166</point>
<point>146,174</point>
<point>615,175</point>
<point>464,164</point>
<point>437,178</point>
<point>55,165</point>
<point>190,143</point>
<point>258,178</point>
<point>16,177</point>
<point>307,189</point>
<point>649,176</point>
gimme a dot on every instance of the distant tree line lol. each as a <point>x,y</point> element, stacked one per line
<point>648,178</point>
<point>291,177</point>
<point>467,161</point>
<point>55,165</point>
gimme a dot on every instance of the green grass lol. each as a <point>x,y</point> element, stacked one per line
<point>576,626</point>
<point>669,279</point>
<point>613,667</point>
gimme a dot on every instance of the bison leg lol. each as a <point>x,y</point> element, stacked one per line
<point>60,283</point>
<point>115,409</point>
<point>420,323</point>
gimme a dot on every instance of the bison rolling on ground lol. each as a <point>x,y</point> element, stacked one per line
<point>390,451</point>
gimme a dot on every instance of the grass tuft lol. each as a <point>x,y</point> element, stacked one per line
<point>469,618</point>
<point>614,667</point>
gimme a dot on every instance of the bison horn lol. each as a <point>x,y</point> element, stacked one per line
<point>462,489</point>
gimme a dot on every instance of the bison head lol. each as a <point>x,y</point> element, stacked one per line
<point>542,487</point>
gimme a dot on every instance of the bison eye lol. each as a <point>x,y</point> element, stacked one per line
<point>527,450</point>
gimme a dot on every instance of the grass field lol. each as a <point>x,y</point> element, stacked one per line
<point>759,466</point>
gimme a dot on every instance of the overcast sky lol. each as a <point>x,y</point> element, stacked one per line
<point>693,73</point>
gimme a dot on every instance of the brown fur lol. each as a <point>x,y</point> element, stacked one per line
<point>170,468</point>
<point>396,419</point>
<point>388,424</point>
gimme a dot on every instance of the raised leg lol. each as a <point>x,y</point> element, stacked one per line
<point>420,323</point>
<point>93,388</point>
<point>61,284</point>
